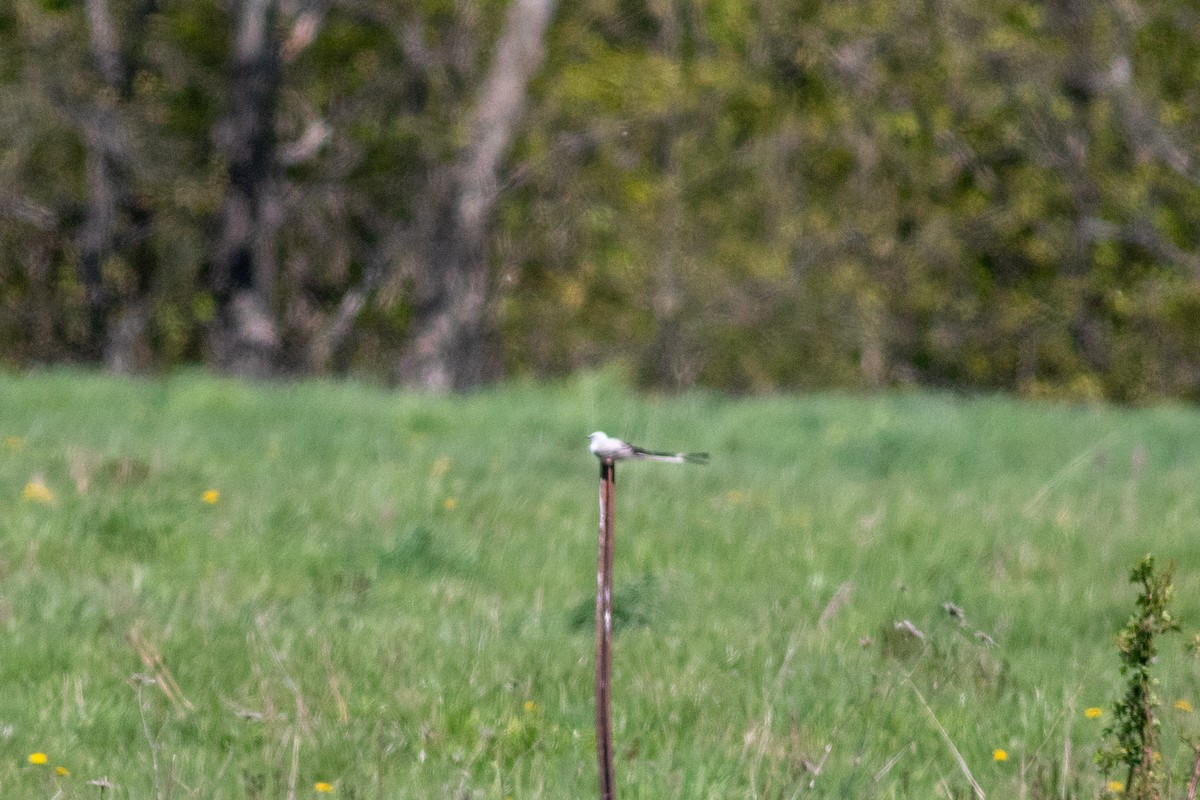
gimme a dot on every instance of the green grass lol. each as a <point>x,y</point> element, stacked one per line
<point>393,592</point>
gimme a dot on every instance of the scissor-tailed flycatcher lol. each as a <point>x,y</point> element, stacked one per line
<point>605,446</point>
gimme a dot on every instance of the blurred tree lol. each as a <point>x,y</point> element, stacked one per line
<point>452,341</point>
<point>416,165</point>
<point>116,224</point>
<point>244,339</point>
<point>751,196</point>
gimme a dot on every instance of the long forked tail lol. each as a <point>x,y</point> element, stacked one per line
<point>675,458</point>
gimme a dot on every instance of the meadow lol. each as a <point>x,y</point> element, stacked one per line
<point>219,590</point>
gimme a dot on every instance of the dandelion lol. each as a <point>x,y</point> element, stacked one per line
<point>449,504</point>
<point>210,496</point>
<point>1116,787</point>
<point>999,755</point>
<point>1184,706</point>
<point>37,758</point>
<point>1093,712</point>
<point>324,787</point>
<point>530,707</point>
<point>37,492</point>
<point>62,772</point>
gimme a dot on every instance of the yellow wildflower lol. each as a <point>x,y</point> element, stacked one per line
<point>530,707</point>
<point>13,442</point>
<point>210,496</point>
<point>1093,712</point>
<point>449,504</point>
<point>37,758</point>
<point>999,755</point>
<point>1116,787</point>
<point>323,787</point>
<point>62,771</point>
<point>37,492</point>
<point>1184,706</point>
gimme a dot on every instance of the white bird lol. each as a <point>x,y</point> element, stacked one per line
<point>606,447</point>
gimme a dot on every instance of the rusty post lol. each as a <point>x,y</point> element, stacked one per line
<point>608,488</point>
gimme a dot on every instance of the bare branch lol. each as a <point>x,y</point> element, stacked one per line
<point>105,47</point>
<point>501,105</point>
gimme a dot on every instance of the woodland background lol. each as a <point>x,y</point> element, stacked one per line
<point>749,195</point>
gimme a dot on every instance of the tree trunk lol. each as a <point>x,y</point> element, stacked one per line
<point>95,240</point>
<point>112,215</point>
<point>244,337</point>
<point>453,341</point>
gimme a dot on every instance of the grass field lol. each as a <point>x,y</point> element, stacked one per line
<point>392,594</point>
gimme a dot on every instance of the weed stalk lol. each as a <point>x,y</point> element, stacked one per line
<point>1133,733</point>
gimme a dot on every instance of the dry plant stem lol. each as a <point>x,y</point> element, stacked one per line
<point>764,728</point>
<point>1066,472</point>
<point>294,774</point>
<point>151,740</point>
<point>608,481</point>
<point>962,762</point>
<point>891,762</point>
<point>153,661</point>
<point>1191,789</point>
<point>335,685</point>
<point>1065,778</point>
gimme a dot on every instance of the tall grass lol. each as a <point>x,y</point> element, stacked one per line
<point>386,593</point>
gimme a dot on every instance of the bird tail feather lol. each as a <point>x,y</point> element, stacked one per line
<point>674,458</point>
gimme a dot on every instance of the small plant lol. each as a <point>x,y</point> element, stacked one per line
<point>1132,736</point>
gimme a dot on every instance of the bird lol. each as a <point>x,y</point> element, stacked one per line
<point>607,447</point>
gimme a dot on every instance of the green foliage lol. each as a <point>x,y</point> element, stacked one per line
<point>1134,732</point>
<point>748,196</point>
